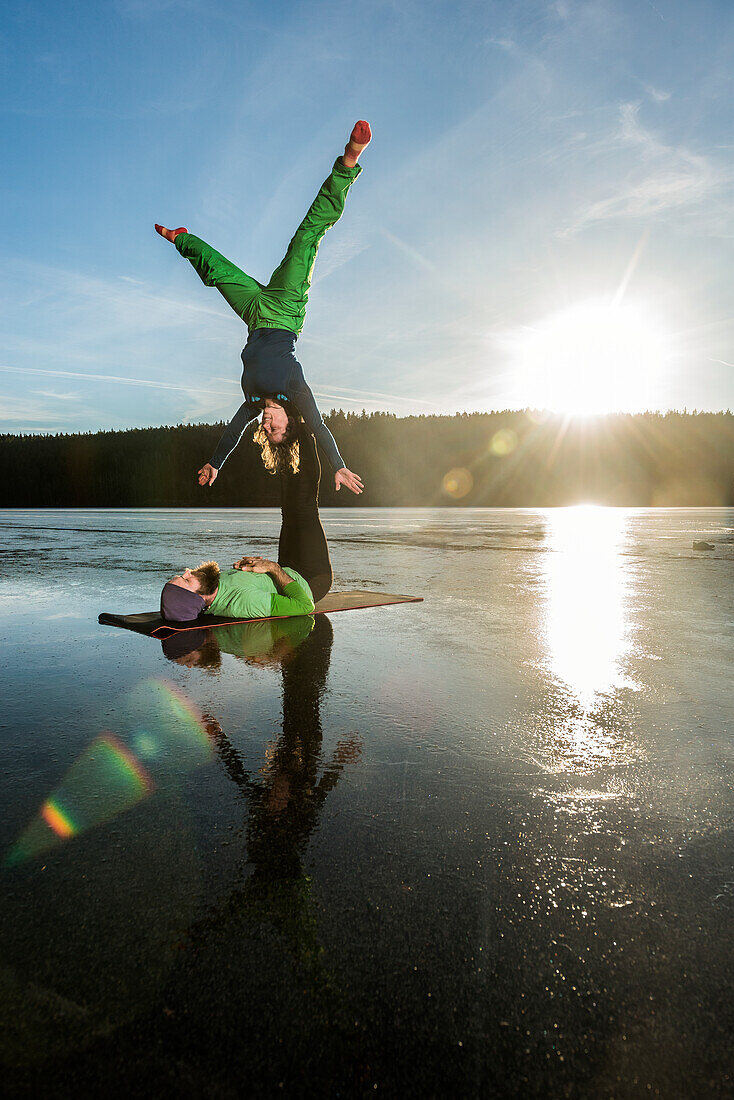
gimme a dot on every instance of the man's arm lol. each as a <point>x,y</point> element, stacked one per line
<point>292,597</point>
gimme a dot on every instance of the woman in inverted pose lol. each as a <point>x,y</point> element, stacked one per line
<point>272,378</point>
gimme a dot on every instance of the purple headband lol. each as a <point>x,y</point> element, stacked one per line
<point>180,604</point>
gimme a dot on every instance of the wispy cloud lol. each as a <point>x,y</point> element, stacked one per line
<point>56,396</point>
<point>346,247</point>
<point>560,9</point>
<point>662,179</point>
<point>114,379</point>
<point>54,315</point>
<point>148,9</point>
<point>203,400</point>
<point>343,394</point>
<point>24,414</point>
<point>200,402</point>
<point>506,44</point>
<point>657,94</point>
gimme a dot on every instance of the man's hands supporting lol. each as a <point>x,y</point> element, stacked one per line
<point>263,565</point>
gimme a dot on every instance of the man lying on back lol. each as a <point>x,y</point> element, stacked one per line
<point>254,588</point>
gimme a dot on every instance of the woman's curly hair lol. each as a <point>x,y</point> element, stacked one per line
<point>279,458</point>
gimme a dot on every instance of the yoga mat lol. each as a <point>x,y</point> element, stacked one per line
<point>151,623</point>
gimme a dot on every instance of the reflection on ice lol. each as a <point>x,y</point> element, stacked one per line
<point>263,643</point>
<point>578,744</point>
<point>285,799</point>
<point>586,630</point>
<point>587,599</point>
<point>464,801</point>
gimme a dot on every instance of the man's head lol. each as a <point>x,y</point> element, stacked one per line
<point>187,594</point>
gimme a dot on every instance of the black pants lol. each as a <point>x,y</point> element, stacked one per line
<point>303,543</point>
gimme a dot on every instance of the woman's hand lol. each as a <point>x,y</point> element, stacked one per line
<point>346,477</point>
<point>208,474</point>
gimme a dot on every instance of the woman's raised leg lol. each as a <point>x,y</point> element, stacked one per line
<point>237,288</point>
<point>294,271</point>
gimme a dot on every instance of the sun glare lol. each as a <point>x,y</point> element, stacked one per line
<point>595,357</point>
<point>587,598</point>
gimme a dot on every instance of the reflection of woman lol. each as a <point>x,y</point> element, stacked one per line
<point>284,804</point>
<point>259,946</point>
<point>272,379</point>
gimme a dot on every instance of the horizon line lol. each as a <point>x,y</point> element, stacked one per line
<point>538,415</point>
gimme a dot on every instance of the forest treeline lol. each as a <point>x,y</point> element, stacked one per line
<point>516,459</point>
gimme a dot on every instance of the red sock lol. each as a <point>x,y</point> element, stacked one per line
<point>361,134</point>
<point>169,234</point>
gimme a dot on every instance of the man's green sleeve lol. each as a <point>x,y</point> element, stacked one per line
<point>295,600</point>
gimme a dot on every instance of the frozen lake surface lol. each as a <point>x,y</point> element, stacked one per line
<point>481,845</point>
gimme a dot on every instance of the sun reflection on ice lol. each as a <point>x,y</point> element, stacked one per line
<point>587,600</point>
<point>587,634</point>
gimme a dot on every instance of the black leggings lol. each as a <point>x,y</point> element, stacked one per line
<point>303,544</point>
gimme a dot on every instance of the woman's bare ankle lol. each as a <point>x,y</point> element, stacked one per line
<point>359,139</point>
<point>170,234</point>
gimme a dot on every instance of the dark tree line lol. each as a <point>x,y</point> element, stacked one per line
<point>516,459</point>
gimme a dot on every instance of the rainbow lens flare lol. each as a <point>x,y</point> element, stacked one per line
<point>164,728</point>
<point>104,781</point>
<point>108,778</point>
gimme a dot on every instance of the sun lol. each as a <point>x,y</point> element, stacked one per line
<point>594,357</point>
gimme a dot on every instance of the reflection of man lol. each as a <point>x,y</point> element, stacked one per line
<point>266,643</point>
<point>255,587</point>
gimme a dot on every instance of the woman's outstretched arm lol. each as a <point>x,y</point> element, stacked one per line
<point>231,436</point>
<point>300,394</point>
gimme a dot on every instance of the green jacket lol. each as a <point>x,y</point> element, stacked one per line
<point>255,596</point>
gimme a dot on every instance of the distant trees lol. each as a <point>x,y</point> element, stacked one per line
<point>512,458</point>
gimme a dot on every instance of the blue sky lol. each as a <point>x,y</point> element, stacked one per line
<point>549,183</point>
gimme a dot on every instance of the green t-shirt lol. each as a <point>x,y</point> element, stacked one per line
<point>255,596</point>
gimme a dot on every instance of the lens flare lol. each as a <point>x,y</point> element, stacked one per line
<point>165,727</point>
<point>55,817</point>
<point>503,442</point>
<point>458,482</point>
<point>105,780</point>
<point>108,778</point>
